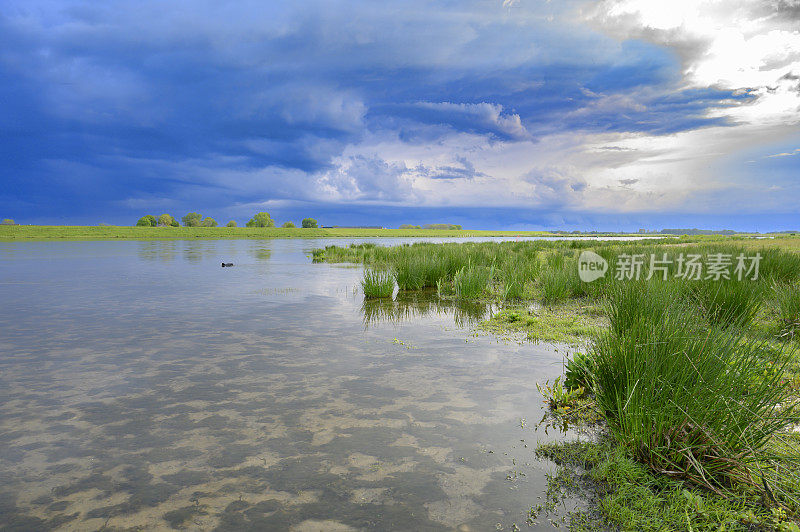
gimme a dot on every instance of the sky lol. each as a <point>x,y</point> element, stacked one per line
<point>495,114</point>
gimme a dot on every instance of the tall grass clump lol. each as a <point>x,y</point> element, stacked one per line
<point>788,301</point>
<point>514,277</point>
<point>470,282</point>
<point>727,302</point>
<point>632,304</point>
<point>435,269</point>
<point>778,265</point>
<point>788,307</point>
<point>554,284</point>
<point>410,273</point>
<point>377,283</point>
<point>689,401</point>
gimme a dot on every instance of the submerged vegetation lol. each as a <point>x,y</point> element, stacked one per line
<point>693,373</point>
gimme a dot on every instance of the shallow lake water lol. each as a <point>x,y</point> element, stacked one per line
<point>144,387</point>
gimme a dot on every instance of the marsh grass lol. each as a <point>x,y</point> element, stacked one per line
<point>377,283</point>
<point>779,266</point>
<point>410,273</point>
<point>513,285</point>
<point>691,402</point>
<point>727,302</point>
<point>554,285</point>
<point>471,281</point>
<point>787,303</point>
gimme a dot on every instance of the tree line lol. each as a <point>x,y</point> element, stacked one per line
<point>195,219</point>
<point>432,226</point>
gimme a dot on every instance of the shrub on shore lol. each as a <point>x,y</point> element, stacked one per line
<point>147,220</point>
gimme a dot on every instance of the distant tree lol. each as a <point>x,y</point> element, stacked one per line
<point>232,223</point>
<point>288,225</point>
<point>193,219</point>
<point>7,221</point>
<point>147,221</point>
<point>309,223</point>
<point>165,220</point>
<point>175,223</point>
<point>442,226</point>
<point>208,221</point>
<point>261,219</point>
<point>409,226</point>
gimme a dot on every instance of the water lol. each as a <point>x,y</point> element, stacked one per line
<point>144,386</point>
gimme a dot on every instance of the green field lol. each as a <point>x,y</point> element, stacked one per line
<point>77,232</point>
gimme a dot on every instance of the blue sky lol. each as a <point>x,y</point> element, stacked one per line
<point>492,114</point>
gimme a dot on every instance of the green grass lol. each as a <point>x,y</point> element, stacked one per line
<point>787,307</point>
<point>547,272</point>
<point>61,232</point>
<point>377,283</point>
<point>629,496</point>
<point>788,302</point>
<point>555,284</point>
<point>516,278</point>
<point>470,282</point>
<point>692,402</point>
<point>780,266</point>
<point>729,302</point>
<point>411,273</point>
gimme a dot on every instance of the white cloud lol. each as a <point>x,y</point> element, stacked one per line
<point>728,44</point>
<point>366,179</point>
<point>489,115</point>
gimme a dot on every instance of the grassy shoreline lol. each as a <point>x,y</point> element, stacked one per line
<point>695,384</point>
<point>62,232</point>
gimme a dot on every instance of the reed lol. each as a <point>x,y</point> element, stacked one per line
<point>377,283</point>
<point>470,282</point>
<point>694,402</point>
<point>728,302</point>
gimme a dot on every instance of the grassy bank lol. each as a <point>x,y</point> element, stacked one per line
<point>695,382</point>
<point>64,232</point>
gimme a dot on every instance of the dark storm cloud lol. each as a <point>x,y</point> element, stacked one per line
<point>109,107</point>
